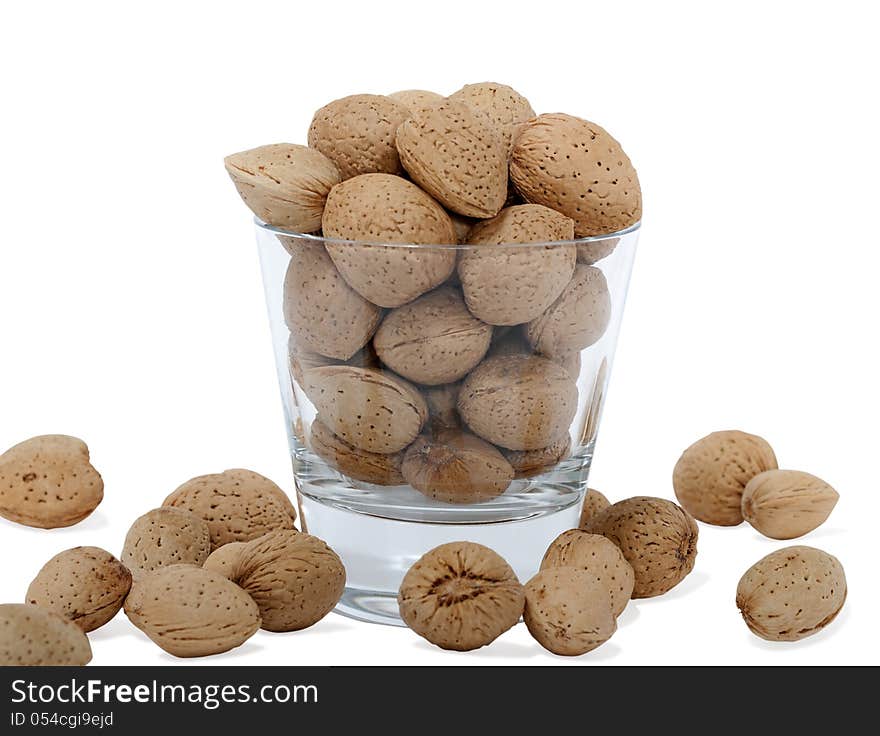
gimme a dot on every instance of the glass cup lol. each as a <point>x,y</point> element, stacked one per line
<point>499,455</point>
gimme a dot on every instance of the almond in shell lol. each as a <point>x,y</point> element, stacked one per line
<point>506,285</point>
<point>575,167</point>
<point>567,611</point>
<point>454,466</point>
<point>784,504</point>
<point>358,132</point>
<point>457,156</point>
<point>520,402</point>
<point>239,505</point>
<point>85,585</point>
<point>460,596</point>
<point>711,475</point>
<point>791,593</point>
<point>434,339</point>
<point>577,319</point>
<point>192,612</point>
<point>166,536</point>
<point>657,538</point>
<point>369,409</point>
<point>48,482</point>
<point>324,314</point>
<point>599,557</point>
<point>379,211</point>
<point>284,184</point>
<point>31,636</point>
<point>294,578</point>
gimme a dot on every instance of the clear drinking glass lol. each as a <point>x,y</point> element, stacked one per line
<point>380,530</point>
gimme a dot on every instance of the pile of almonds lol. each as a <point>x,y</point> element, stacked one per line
<point>436,350</point>
<point>219,560</point>
<point>462,595</point>
<point>222,558</point>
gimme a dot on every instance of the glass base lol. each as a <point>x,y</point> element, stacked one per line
<point>378,551</point>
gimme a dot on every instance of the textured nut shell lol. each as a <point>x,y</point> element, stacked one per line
<point>166,536</point>
<point>784,504</point>
<point>575,167</point>
<point>506,108</point>
<point>599,557</point>
<point>711,475</point>
<point>372,410</point>
<point>456,467</point>
<point>295,579</point>
<point>224,560</point>
<point>379,208</point>
<point>509,286</point>
<point>434,339</point>
<point>460,596</point>
<point>527,463</point>
<point>302,359</point>
<point>85,585</point>
<point>456,156</point>
<point>324,314</point>
<point>47,482</point>
<point>791,593</point>
<point>595,251</point>
<point>416,99</point>
<point>192,612</point>
<point>239,505</point>
<point>567,611</point>
<point>371,467</point>
<point>442,404</point>
<point>357,133</point>
<point>658,538</point>
<point>284,184</point>
<point>594,503</point>
<point>34,637</point>
<point>521,402</point>
<point>577,319</point>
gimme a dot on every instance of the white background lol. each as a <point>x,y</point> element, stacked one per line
<point>132,308</point>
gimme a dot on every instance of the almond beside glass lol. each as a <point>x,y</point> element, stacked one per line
<point>84,585</point>
<point>239,505</point>
<point>711,475</point>
<point>784,504</point>
<point>48,482</point>
<point>31,636</point>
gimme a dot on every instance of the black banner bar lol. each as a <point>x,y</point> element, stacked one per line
<point>133,700</point>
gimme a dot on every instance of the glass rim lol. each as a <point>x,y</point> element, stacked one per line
<point>450,246</point>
